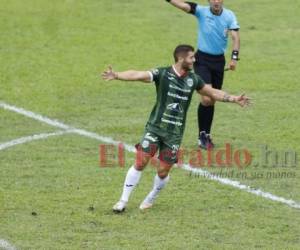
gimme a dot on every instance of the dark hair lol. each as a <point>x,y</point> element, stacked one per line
<point>182,49</point>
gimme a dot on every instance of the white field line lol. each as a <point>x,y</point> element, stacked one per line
<point>6,246</point>
<point>130,148</point>
<point>61,125</point>
<point>237,184</point>
<point>31,138</point>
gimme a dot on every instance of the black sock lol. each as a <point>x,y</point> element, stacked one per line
<point>210,117</point>
<point>205,118</point>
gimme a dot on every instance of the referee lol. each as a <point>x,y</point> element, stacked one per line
<point>214,24</point>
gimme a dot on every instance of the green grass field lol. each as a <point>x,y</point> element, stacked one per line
<point>54,195</point>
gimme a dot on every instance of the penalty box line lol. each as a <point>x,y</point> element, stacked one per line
<point>129,148</point>
<point>31,138</point>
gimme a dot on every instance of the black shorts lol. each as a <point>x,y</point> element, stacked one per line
<point>210,68</point>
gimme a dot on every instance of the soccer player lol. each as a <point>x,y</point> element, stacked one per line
<point>214,24</point>
<point>164,130</point>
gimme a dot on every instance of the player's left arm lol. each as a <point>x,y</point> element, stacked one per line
<point>235,36</point>
<point>222,96</point>
<point>129,75</point>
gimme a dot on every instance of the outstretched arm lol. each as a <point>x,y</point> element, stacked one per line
<point>130,75</point>
<point>222,96</point>
<point>181,5</point>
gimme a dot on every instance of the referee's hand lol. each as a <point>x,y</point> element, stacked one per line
<point>232,65</point>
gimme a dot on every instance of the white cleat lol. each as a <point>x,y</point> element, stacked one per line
<point>119,207</point>
<point>145,205</point>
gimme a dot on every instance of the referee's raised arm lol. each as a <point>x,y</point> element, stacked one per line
<point>188,7</point>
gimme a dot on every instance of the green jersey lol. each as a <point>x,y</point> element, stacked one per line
<point>174,94</point>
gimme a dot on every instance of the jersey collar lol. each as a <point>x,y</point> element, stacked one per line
<point>177,73</point>
<point>216,14</point>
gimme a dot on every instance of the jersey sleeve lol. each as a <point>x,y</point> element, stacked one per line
<point>233,25</point>
<point>199,82</point>
<point>155,74</point>
<point>199,11</point>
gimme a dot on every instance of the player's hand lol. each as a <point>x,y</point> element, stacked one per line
<point>242,100</point>
<point>109,74</point>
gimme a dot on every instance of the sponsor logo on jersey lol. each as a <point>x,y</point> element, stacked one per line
<point>180,89</point>
<point>171,122</point>
<point>173,116</point>
<point>190,82</point>
<point>185,98</point>
<point>175,107</point>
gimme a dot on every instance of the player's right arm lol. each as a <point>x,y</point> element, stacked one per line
<point>222,96</point>
<point>129,75</point>
<point>185,6</point>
